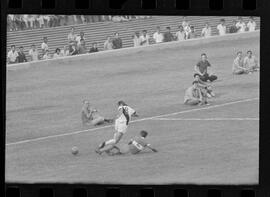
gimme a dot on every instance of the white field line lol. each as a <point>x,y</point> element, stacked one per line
<point>138,120</point>
<point>205,119</point>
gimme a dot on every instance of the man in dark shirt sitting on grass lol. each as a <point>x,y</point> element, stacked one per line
<point>117,42</point>
<point>21,56</point>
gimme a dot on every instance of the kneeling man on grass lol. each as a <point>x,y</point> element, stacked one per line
<point>194,96</point>
<point>135,145</point>
<point>90,116</point>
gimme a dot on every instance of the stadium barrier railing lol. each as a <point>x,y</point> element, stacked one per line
<point>130,50</point>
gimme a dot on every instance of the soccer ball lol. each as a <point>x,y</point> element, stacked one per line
<point>74,150</point>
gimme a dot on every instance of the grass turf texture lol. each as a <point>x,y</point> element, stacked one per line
<point>46,100</point>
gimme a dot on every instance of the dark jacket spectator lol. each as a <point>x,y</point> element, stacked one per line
<point>233,28</point>
<point>73,50</point>
<point>117,42</point>
<point>94,48</point>
<point>168,36</point>
<point>81,47</point>
<point>192,33</point>
<point>21,56</point>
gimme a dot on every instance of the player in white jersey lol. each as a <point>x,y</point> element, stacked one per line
<point>121,125</point>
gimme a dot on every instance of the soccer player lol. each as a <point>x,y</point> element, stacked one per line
<point>90,115</point>
<point>238,65</point>
<point>251,62</point>
<point>194,96</point>
<point>121,125</point>
<point>201,69</point>
<point>135,145</point>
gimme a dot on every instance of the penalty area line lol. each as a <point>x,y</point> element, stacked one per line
<point>134,121</point>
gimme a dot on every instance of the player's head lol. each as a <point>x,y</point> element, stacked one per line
<point>12,47</point>
<point>239,54</point>
<point>203,56</point>
<point>181,28</point>
<point>196,77</point>
<point>143,133</point>
<point>249,53</point>
<point>121,103</point>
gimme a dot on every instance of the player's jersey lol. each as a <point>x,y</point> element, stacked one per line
<point>126,116</point>
<point>138,144</point>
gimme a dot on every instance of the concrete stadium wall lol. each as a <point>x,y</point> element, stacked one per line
<point>132,50</point>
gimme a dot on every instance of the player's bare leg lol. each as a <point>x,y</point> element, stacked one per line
<point>109,145</point>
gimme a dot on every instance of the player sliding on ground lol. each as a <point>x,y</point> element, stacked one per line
<point>90,116</point>
<point>121,125</point>
<point>135,145</point>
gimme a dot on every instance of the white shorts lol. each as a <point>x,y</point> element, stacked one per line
<point>120,127</point>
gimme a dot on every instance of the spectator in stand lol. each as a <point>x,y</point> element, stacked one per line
<point>21,56</point>
<point>31,19</point>
<point>82,49</point>
<point>12,55</point>
<point>158,36</point>
<point>57,53</point>
<point>79,38</point>
<point>180,34</point>
<point>11,18</point>
<point>46,55</point>
<point>65,51</point>
<point>144,38</point>
<point>192,33</point>
<point>108,45</point>
<point>44,45</point>
<point>40,20</point>
<point>46,19</point>
<point>233,28</point>
<point>185,23</point>
<point>33,53</point>
<point>117,42</point>
<point>168,36</point>
<point>238,65</point>
<point>206,31</point>
<point>25,21</point>
<point>251,62</point>
<point>251,25</point>
<point>221,27</point>
<point>241,25</point>
<point>73,50</point>
<point>136,39</point>
<point>94,48</point>
<point>72,38</point>
<point>202,69</point>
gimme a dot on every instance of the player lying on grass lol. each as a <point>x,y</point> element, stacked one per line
<point>121,124</point>
<point>90,116</point>
<point>251,62</point>
<point>135,145</point>
<point>194,96</point>
<point>206,88</point>
<point>238,67</point>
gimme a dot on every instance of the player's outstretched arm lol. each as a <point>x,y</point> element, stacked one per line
<point>152,149</point>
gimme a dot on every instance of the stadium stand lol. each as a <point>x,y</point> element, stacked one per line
<point>97,32</point>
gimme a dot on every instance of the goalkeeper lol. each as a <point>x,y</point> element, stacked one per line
<point>135,145</point>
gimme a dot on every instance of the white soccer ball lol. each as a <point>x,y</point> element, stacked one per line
<point>74,150</point>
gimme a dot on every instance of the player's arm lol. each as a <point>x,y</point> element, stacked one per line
<point>152,149</point>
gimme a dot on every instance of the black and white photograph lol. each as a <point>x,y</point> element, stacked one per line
<point>132,99</point>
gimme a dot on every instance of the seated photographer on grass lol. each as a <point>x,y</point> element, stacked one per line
<point>238,65</point>
<point>90,116</point>
<point>251,62</point>
<point>194,96</point>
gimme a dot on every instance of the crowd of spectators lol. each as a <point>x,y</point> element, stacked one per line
<point>76,43</point>
<point>19,22</point>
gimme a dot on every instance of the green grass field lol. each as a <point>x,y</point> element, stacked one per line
<point>216,144</point>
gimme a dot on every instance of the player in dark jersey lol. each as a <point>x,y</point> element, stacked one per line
<point>135,145</point>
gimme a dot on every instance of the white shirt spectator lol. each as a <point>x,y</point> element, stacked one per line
<point>221,29</point>
<point>180,35</point>
<point>12,56</point>
<point>251,25</point>
<point>33,54</point>
<point>206,32</point>
<point>187,30</point>
<point>40,20</point>
<point>78,39</point>
<point>241,26</point>
<point>44,46</point>
<point>72,37</point>
<point>142,39</point>
<point>158,37</point>
<point>136,41</point>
